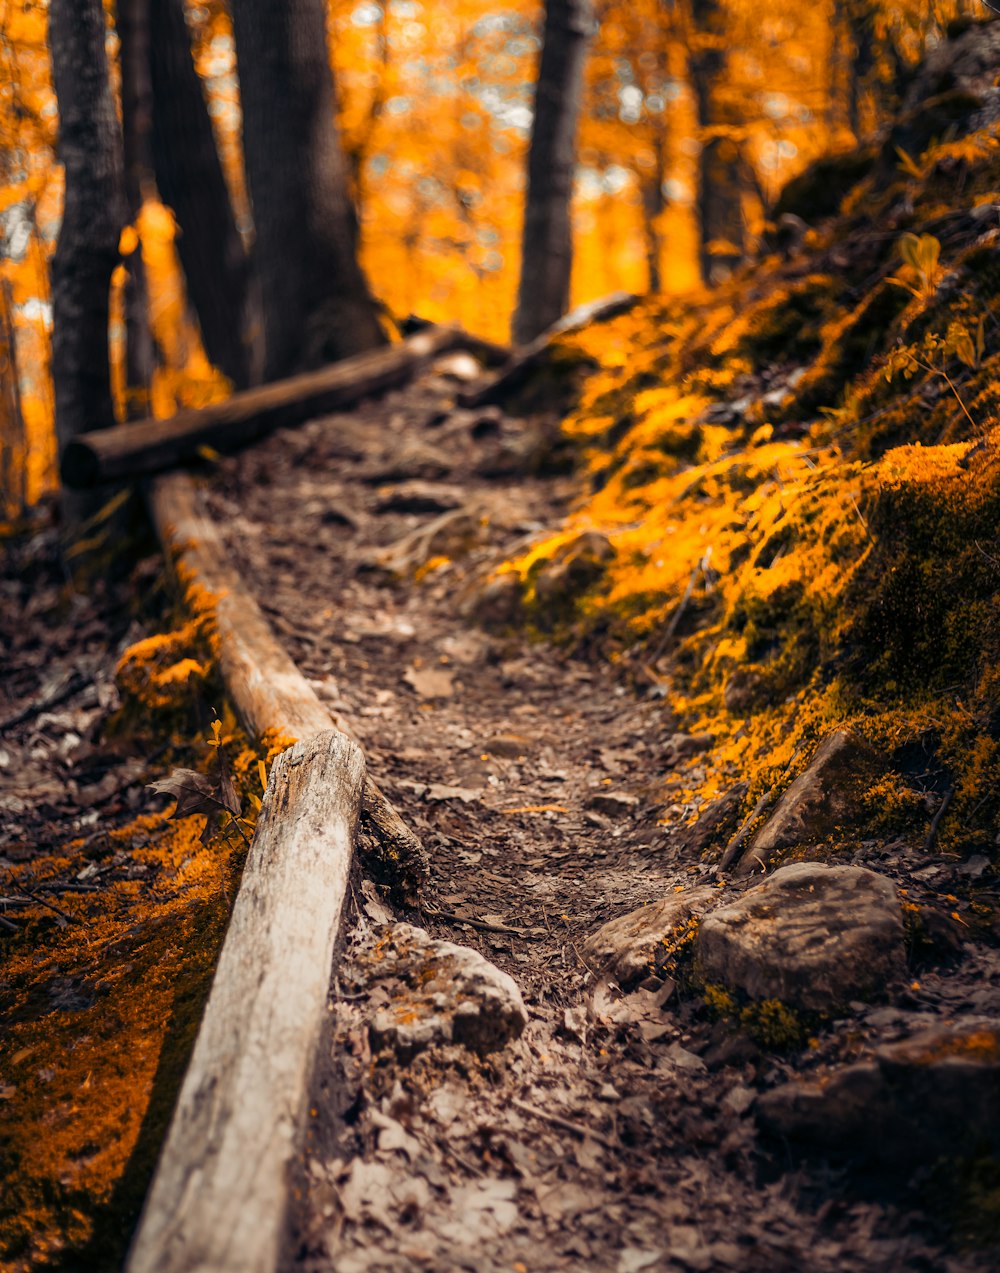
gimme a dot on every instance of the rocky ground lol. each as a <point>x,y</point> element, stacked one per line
<point>794,1076</point>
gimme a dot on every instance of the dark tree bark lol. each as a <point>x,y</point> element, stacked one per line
<point>653,205</point>
<point>190,180</point>
<point>86,254</point>
<point>858,17</point>
<point>133,35</point>
<point>13,440</point>
<point>315,301</point>
<point>721,165</point>
<point>547,239</point>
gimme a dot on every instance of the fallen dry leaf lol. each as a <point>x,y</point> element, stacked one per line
<point>430,682</point>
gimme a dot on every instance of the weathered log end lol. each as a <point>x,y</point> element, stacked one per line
<point>78,466</point>
<point>218,1203</point>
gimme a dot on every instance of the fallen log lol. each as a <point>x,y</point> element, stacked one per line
<point>268,692</point>
<point>523,361</point>
<point>219,1199</point>
<point>151,446</point>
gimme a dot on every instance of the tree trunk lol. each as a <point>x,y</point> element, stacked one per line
<point>859,20</point>
<point>191,182</point>
<point>315,300</point>
<point>133,34</point>
<point>547,239</point>
<point>653,205</point>
<point>720,164</point>
<point>13,440</point>
<point>90,148</point>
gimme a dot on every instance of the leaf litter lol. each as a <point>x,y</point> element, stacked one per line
<point>616,1133</point>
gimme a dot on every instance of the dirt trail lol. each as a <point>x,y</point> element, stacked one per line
<point>611,1136</point>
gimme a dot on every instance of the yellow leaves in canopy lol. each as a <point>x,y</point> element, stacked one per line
<point>26,24</point>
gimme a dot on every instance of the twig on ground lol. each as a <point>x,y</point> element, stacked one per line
<point>942,809</point>
<point>736,843</point>
<point>480,924</point>
<point>565,1123</point>
<point>77,681</point>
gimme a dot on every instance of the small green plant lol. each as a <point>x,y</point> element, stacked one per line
<point>921,257</point>
<point>909,165</point>
<point>213,795</point>
<point>935,353</point>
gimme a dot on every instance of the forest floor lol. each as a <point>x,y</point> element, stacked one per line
<point>615,1134</point>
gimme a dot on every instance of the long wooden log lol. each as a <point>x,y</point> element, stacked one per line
<point>220,1196</point>
<point>219,1200</point>
<point>151,446</point>
<point>267,690</point>
<point>524,360</point>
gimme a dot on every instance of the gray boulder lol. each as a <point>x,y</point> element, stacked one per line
<point>821,802</point>
<point>627,948</point>
<point>813,936</point>
<point>937,1092</point>
<point>425,992</point>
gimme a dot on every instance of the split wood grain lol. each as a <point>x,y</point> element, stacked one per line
<point>219,1199</point>
<point>152,446</point>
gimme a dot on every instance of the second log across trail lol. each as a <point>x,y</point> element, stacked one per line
<point>152,446</point>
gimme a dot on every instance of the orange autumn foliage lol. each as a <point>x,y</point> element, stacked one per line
<point>435,105</point>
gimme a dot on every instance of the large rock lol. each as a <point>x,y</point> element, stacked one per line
<point>426,992</point>
<point>813,936</point>
<point>627,948</point>
<point>821,802</point>
<point>937,1092</point>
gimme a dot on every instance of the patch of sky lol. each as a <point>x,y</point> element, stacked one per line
<point>366,15</point>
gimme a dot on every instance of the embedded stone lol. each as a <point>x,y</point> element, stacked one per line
<point>628,948</point>
<point>615,804</point>
<point>428,993</point>
<point>573,568</point>
<point>495,603</point>
<point>934,1093</point>
<point>813,936</point>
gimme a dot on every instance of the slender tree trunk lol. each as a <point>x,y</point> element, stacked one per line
<point>191,181</point>
<point>90,148</point>
<point>720,165</point>
<point>13,441</point>
<point>133,34</point>
<point>547,238</point>
<point>315,300</point>
<point>859,20</point>
<point>653,205</point>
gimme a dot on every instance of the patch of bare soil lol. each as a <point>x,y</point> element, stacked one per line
<point>615,1134</point>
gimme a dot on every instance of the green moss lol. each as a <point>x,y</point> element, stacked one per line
<point>848,347</point>
<point>940,118</point>
<point>818,192</point>
<point>964,1194</point>
<point>773,1025</point>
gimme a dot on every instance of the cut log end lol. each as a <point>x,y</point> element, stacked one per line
<point>78,466</point>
